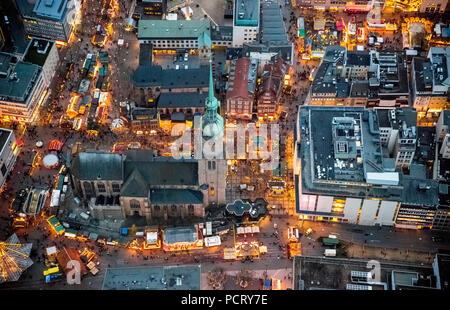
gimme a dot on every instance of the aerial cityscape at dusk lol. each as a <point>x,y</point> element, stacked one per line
<point>224,145</point>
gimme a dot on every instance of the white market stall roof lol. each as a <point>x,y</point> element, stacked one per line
<point>212,241</point>
<point>51,250</point>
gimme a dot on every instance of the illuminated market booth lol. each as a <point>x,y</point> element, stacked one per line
<point>182,238</point>
<point>152,239</point>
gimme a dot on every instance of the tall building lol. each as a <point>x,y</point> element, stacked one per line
<point>50,19</point>
<point>8,153</point>
<point>357,180</point>
<point>245,21</point>
<point>241,88</point>
<point>24,84</point>
<point>430,84</point>
<point>117,186</point>
<point>212,121</point>
<point>398,134</point>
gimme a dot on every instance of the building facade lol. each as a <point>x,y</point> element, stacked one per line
<point>49,19</point>
<point>271,87</point>
<point>241,88</point>
<point>24,85</point>
<point>245,21</point>
<point>8,153</point>
<point>175,34</point>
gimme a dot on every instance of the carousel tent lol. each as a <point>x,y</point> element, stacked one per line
<point>14,259</point>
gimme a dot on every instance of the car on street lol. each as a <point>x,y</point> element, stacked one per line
<point>186,56</point>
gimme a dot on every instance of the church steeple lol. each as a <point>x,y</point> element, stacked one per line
<point>212,122</point>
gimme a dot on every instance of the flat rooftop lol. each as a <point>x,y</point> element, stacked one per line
<point>149,29</point>
<point>17,86</point>
<point>38,51</point>
<point>185,277</point>
<point>246,12</point>
<point>54,9</point>
<point>355,165</point>
<point>273,28</point>
<point>312,273</point>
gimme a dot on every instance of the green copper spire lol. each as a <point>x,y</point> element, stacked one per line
<point>212,121</point>
<point>212,102</point>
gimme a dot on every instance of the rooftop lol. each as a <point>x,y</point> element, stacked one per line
<point>311,273</point>
<point>171,29</point>
<point>155,76</point>
<point>97,165</point>
<point>54,9</point>
<point>358,59</point>
<point>18,85</point>
<point>387,76</point>
<point>440,59</point>
<point>423,75</point>
<point>180,234</point>
<point>238,82</point>
<point>272,25</point>
<point>356,166</point>
<point>176,196</point>
<point>182,99</point>
<point>246,12</point>
<point>37,51</point>
<point>185,277</point>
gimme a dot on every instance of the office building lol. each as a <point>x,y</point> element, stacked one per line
<point>245,21</point>
<point>50,19</point>
<point>358,180</point>
<point>24,85</point>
